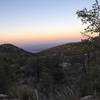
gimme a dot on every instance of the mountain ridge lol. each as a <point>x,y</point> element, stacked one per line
<point>55,70</point>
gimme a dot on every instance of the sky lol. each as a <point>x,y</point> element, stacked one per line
<point>40,21</point>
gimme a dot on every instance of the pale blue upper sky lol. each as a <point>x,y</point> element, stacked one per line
<point>40,20</point>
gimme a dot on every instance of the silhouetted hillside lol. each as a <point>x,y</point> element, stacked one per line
<point>66,71</point>
<point>14,62</point>
<point>9,48</point>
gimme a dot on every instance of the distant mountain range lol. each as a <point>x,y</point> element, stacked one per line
<point>40,47</point>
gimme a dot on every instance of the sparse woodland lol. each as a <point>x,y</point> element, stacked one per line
<point>66,72</point>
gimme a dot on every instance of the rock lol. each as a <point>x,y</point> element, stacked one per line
<point>3,97</point>
<point>89,97</point>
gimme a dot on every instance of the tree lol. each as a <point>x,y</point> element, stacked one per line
<point>92,19</point>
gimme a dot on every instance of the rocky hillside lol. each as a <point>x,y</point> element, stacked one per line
<point>67,71</point>
<point>13,64</point>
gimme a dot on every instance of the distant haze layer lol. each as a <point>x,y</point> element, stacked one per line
<point>37,47</point>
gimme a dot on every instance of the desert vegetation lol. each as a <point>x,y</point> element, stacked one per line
<point>66,72</point>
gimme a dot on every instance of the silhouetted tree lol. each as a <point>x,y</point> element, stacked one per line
<point>92,19</point>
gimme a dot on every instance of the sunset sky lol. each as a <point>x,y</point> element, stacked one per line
<point>40,21</point>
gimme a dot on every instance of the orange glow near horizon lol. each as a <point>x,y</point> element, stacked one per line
<point>43,35</point>
<point>40,37</point>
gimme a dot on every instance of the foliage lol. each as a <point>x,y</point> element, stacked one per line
<point>91,18</point>
<point>45,76</point>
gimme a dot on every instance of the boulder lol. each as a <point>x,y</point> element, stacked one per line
<point>89,97</point>
<point>3,97</point>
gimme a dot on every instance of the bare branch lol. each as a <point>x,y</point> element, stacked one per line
<point>97,2</point>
